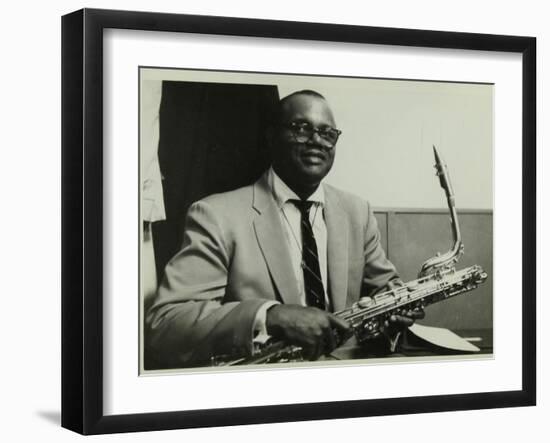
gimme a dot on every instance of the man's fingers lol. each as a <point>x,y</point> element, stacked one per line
<point>408,317</point>
<point>316,331</point>
<point>329,341</point>
<point>338,323</point>
<point>402,320</point>
<point>315,351</point>
<point>418,314</point>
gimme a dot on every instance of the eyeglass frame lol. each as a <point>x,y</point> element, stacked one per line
<point>293,125</point>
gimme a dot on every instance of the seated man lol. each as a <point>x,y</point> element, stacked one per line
<point>277,257</point>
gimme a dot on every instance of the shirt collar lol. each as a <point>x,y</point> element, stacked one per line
<point>283,193</point>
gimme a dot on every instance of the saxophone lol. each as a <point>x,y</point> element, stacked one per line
<point>437,280</point>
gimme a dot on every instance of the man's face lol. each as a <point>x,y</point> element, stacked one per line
<point>307,163</point>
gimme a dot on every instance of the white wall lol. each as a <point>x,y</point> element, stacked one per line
<point>389,127</point>
<point>30,178</point>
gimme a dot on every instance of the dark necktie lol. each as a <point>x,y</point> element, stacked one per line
<point>313,284</point>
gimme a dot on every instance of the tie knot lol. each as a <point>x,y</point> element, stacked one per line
<point>303,205</point>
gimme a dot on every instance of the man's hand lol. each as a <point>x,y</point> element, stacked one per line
<point>310,328</point>
<point>397,323</point>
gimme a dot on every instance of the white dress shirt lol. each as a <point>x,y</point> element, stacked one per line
<point>291,222</point>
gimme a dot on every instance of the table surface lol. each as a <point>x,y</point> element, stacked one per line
<point>415,347</point>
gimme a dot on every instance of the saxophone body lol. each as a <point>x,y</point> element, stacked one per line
<point>437,280</point>
<point>368,316</point>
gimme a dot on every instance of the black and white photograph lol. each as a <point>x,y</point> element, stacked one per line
<point>270,222</point>
<point>312,221</point>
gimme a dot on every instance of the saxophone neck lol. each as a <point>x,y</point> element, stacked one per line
<point>457,249</point>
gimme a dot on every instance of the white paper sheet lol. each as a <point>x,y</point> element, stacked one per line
<point>442,337</point>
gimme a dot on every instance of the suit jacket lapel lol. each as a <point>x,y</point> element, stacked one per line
<point>337,250</point>
<point>270,235</point>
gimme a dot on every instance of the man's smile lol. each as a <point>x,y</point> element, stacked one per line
<point>313,156</point>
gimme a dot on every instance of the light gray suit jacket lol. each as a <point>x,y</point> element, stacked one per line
<point>234,258</point>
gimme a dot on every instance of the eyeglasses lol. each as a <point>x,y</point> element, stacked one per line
<point>303,131</point>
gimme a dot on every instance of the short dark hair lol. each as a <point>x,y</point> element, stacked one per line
<point>278,112</point>
<point>308,92</point>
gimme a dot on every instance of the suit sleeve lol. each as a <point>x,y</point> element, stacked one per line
<point>188,321</point>
<point>378,270</point>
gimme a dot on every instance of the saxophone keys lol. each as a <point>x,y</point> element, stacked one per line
<point>365,302</point>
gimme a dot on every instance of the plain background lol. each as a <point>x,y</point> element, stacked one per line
<point>396,123</point>
<point>30,180</point>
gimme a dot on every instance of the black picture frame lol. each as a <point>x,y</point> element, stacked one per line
<point>82,220</point>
